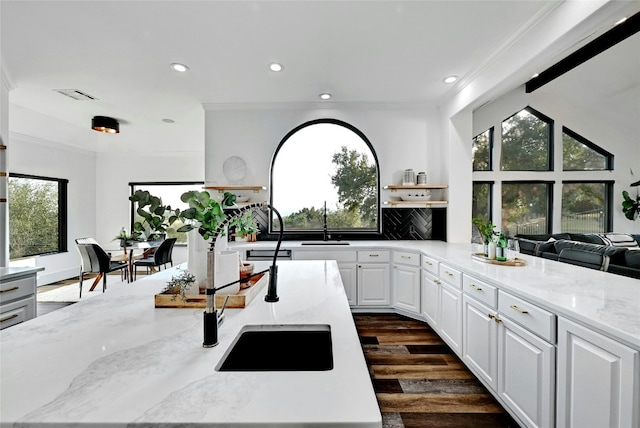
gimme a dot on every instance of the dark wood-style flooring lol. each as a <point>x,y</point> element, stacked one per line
<point>419,381</point>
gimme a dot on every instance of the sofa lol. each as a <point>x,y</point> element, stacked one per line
<point>617,253</point>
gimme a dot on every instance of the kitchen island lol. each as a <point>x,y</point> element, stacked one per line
<point>116,360</point>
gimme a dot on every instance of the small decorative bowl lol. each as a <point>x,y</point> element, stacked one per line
<point>418,196</point>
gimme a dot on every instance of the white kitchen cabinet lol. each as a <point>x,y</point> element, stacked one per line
<point>450,317</point>
<point>526,374</point>
<point>430,298</point>
<point>346,265</point>
<point>349,275</point>
<point>598,380</point>
<point>18,298</point>
<point>373,284</point>
<point>480,340</point>
<point>406,281</point>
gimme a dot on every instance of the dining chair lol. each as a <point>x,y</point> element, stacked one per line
<point>162,256</point>
<point>94,259</point>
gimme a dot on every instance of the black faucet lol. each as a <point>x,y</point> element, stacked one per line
<point>325,234</point>
<point>211,318</point>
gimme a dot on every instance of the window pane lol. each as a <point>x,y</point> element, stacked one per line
<point>584,207</point>
<point>34,216</point>
<point>526,142</point>
<point>325,163</point>
<point>170,195</point>
<point>525,208</point>
<point>481,200</point>
<point>481,151</point>
<point>578,156</point>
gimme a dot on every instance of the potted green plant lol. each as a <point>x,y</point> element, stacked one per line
<point>245,227</point>
<point>180,284</point>
<point>486,229</point>
<point>204,212</point>
<point>157,216</point>
<point>125,238</point>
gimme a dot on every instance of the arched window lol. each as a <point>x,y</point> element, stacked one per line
<point>324,174</point>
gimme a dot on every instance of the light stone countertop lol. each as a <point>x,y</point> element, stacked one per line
<point>116,361</point>
<point>605,302</point>
<point>9,273</point>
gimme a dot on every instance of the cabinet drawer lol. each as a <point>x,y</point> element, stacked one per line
<point>479,290</point>
<point>430,265</point>
<point>406,258</point>
<point>373,256</point>
<point>450,275</point>
<point>17,312</point>
<point>340,256</point>
<point>528,315</point>
<point>17,288</point>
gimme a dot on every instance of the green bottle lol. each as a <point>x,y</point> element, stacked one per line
<point>501,248</point>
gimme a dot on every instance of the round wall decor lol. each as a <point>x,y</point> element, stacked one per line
<point>234,168</point>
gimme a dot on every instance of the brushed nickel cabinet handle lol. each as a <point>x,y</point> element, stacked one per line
<point>437,281</point>
<point>9,289</point>
<point>429,263</point>
<point>10,317</point>
<point>475,287</point>
<point>373,255</point>
<point>522,311</point>
<point>405,257</point>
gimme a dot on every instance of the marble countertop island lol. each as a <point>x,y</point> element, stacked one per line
<point>117,361</point>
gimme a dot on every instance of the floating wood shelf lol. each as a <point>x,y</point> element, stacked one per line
<point>415,202</point>
<point>417,186</point>
<point>221,189</point>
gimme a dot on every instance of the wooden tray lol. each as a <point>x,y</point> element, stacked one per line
<point>239,300</point>
<point>481,257</point>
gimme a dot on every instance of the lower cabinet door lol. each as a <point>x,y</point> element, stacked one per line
<point>480,340</point>
<point>450,317</point>
<point>348,274</point>
<point>526,374</point>
<point>598,380</point>
<point>430,298</point>
<point>373,284</point>
<point>406,288</point>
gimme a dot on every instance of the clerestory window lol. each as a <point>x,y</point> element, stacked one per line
<point>580,154</point>
<point>326,166</point>
<point>527,142</point>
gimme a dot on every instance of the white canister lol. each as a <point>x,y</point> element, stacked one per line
<point>227,270</point>
<point>422,178</point>
<point>492,250</point>
<point>408,177</point>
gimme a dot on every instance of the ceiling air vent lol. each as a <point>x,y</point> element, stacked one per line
<point>75,94</point>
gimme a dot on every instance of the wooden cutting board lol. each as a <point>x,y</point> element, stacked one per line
<point>239,300</point>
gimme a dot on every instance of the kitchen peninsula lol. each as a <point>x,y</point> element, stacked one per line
<point>115,360</point>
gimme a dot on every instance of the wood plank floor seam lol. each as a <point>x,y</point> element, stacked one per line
<point>419,382</point>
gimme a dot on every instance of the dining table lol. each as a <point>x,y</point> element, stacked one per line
<point>128,255</point>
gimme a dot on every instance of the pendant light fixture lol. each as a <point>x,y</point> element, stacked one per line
<point>105,124</point>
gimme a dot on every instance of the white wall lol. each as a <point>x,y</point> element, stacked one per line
<point>403,136</point>
<point>621,143</point>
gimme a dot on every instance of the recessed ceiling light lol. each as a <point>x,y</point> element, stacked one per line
<point>179,67</point>
<point>450,79</point>
<point>168,121</point>
<point>325,96</point>
<point>274,66</point>
<point>535,75</point>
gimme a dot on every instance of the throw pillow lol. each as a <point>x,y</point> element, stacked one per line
<point>619,240</point>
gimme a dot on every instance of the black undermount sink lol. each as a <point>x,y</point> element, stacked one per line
<point>324,243</point>
<point>284,347</point>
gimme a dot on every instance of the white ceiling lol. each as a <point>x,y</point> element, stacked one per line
<point>120,52</point>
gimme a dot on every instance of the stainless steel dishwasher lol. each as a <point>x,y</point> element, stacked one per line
<point>283,254</point>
